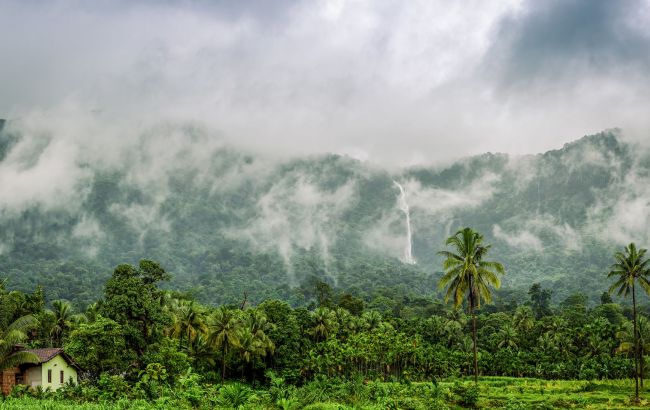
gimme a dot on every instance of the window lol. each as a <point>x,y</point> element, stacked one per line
<point>62,379</point>
<point>49,376</point>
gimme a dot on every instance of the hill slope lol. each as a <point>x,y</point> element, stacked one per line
<point>223,221</point>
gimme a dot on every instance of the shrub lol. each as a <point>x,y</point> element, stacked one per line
<point>112,387</point>
<point>467,394</point>
<point>234,395</point>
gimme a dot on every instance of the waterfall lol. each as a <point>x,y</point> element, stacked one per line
<point>404,207</point>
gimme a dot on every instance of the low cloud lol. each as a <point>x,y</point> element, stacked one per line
<point>296,214</point>
<point>535,233</point>
<point>523,239</point>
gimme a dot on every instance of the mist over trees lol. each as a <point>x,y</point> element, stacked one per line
<point>225,221</point>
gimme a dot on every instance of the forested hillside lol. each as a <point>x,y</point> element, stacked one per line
<point>226,222</point>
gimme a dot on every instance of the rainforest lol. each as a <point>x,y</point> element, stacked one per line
<point>324,204</point>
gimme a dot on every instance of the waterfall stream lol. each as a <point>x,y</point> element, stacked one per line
<point>404,207</point>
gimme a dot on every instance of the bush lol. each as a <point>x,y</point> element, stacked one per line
<point>189,388</point>
<point>467,394</point>
<point>235,395</point>
<point>112,388</point>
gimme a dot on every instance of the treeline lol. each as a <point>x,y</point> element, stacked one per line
<point>137,329</point>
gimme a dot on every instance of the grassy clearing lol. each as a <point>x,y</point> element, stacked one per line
<point>495,393</point>
<point>514,393</point>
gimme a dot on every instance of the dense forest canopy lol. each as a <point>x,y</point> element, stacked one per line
<point>225,221</point>
<point>140,342</point>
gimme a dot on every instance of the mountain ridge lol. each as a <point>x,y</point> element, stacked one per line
<point>232,222</point>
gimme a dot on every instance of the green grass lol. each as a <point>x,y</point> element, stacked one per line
<point>522,393</point>
<point>495,393</point>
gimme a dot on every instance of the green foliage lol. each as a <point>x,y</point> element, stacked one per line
<point>133,300</point>
<point>203,240</point>
<point>235,396</point>
<point>16,333</point>
<point>467,394</point>
<point>100,346</point>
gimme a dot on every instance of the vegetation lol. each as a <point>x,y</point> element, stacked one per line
<point>631,267</point>
<point>142,347</point>
<point>468,274</point>
<point>208,222</point>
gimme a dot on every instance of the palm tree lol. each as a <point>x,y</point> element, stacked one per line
<point>188,321</point>
<point>523,319</point>
<point>64,317</point>
<point>200,352</point>
<point>224,328</point>
<point>631,266</point>
<point>16,333</point>
<point>372,319</point>
<point>467,274</point>
<point>325,323</point>
<point>260,327</point>
<point>507,337</point>
<point>626,337</point>
<point>253,337</point>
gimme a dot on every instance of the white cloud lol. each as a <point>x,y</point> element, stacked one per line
<point>392,82</point>
<point>523,239</point>
<point>295,213</point>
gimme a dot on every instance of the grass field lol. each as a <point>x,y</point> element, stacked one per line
<point>513,393</point>
<point>494,393</point>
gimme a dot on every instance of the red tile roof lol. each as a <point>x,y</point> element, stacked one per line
<point>45,354</point>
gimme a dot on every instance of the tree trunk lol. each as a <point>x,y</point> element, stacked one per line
<point>472,303</point>
<point>636,345</point>
<point>642,364</point>
<point>475,348</point>
<point>223,362</point>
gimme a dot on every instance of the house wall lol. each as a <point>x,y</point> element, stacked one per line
<point>56,365</point>
<point>33,376</point>
<point>8,380</point>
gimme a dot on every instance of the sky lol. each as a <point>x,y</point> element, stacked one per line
<point>391,82</point>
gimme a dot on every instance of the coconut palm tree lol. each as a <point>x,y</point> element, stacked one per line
<point>63,315</point>
<point>507,337</point>
<point>626,338</point>
<point>16,333</point>
<point>224,328</point>
<point>631,266</point>
<point>467,275</point>
<point>188,321</point>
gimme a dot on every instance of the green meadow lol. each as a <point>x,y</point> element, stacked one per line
<point>493,393</point>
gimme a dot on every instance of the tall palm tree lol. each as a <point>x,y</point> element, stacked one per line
<point>626,337</point>
<point>16,333</point>
<point>260,327</point>
<point>631,267</point>
<point>468,275</point>
<point>224,328</point>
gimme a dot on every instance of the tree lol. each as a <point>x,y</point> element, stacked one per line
<point>16,333</point>
<point>507,337</point>
<point>605,298</point>
<point>63,319</point>
<point>468,275</point>
<point>99,347</point>
<point>188,321</point>
<point>132,299</point>
<point>224,328</point>
<point>631,267</point>
<point>325,323</point>
<point>540,300</point>
<point>626,338</point>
